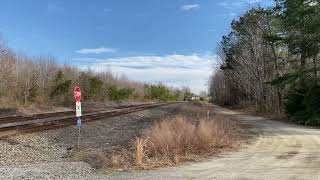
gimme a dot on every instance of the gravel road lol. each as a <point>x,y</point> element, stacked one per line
<point>282,151</point>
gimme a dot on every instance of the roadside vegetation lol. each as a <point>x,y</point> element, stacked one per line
<point>270,61</point>
<point>184,135</point>
<point>41,82</point>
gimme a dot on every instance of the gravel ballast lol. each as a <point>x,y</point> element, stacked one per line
<point>48,154</point>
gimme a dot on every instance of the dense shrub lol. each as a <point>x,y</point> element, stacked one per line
<point>117,94</point>
<point>61,89</point>
<point>303,104</point>
<point>160,92</point>
<point>96,88</point>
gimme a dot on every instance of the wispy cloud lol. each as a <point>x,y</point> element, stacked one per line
<point>190,7</point>
<point>236,4</point>
<point>174,70</point>
<point>253,1</point>
<point>232,4</point>
<point>237,7</point>
<point>95,50</point>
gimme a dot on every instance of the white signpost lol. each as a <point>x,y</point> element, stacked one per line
<point>77,97</point>
<point>78,109</point>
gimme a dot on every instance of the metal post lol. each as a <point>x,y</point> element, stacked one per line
<point>79,130</point>
<point>79,137</point>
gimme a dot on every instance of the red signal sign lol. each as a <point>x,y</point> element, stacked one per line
<point>77,94</point>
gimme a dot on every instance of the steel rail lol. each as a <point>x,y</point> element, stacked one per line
<point>13,119</point>
<point>34,125</point>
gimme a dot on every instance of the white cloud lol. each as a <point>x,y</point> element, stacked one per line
<point>174,70</point>
<point>253,1</point>
<point>189,7</point>
<point>231,5</point>
<point>95,50</point>
<point>236,4</point>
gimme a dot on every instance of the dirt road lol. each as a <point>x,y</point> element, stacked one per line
<point>282,151</point>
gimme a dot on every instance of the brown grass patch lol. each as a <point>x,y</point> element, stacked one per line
<point>140,152</point>
<point>180,138</point>
<point>187,135</point>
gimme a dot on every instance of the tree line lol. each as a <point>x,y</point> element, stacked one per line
<point>270,61</point>
<point>40,81</point>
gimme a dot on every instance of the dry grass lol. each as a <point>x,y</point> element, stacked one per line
<point>180,138</point>
<point>187,135</point>
<point>140,144</point>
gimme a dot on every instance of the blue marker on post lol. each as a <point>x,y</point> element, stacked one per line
<point>79,127</point>
<point>78,122</point>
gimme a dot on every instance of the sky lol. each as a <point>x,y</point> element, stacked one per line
<point>168,41</point>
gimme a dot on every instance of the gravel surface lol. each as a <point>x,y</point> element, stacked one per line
<point>47,170</point>
<point>282,151</point>
<point>48,154</point>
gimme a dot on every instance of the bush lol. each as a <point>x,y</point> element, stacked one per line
<point>61,89</point>
<point>116,94</point>
<point>303,105</point>
<point>312,106</point>
<point>159,92</point>
<point>96,87</point>
<point>180,138</point>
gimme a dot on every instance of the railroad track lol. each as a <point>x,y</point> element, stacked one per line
<point>10,126</point>
<point>12,119</point>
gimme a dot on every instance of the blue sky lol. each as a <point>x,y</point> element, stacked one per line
<point>169,41</point>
